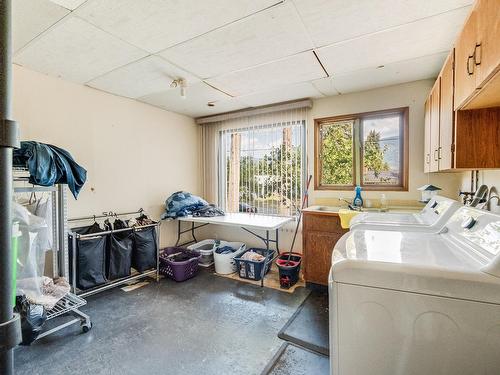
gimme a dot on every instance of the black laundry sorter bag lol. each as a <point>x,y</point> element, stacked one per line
<point>145,249</point>
<point>90,262</point>
<point>120,255</point>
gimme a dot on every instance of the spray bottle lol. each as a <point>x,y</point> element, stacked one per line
<point>358,201</point>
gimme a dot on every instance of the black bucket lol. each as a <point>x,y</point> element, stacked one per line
<point>289,268</point>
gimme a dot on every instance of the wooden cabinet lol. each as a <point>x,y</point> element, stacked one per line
<point>447,118</point>
<point>465,81</point>
<point>478,57</point>
<point>459,140</point>
<point>477,139</point>
<point>427,139</point>
<point>320,233</point>
<point>487,51</point>
<point>434,125</point>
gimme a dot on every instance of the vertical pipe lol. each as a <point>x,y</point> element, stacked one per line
<point>6,308</point>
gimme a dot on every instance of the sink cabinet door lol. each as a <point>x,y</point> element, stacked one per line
<point>320,234</point>
<point>318,255</point>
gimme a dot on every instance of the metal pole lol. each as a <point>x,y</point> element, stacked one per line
<point>8,140</point>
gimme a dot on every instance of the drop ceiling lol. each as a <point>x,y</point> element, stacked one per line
<point>235,54</point>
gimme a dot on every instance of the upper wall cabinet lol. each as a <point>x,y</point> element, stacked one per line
<point>477,53</point>
<point>462,113</point>
<point>439,122</point>
<point>458,140</point>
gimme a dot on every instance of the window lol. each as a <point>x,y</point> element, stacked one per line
<point>261,168</point>
<point>367,149</point>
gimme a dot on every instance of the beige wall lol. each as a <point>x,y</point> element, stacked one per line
<point>412,95</point>
<point>136,155</point>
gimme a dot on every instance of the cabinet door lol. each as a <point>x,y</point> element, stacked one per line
<point>318,256</point>
<point>487,56</point>
<point>435,118</point>
<point>446,119</point>
<point>427,135</point>
<point>465,80</point>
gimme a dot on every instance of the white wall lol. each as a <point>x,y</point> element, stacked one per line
<point>410,95</point>
<point>136,155</point>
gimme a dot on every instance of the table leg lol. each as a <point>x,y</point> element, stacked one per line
<point>178,233</point>
<point>277,242</point>
<point>263,273</point>
<point>192,232</point>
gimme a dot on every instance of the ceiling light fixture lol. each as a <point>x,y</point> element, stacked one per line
<point>182,83</point>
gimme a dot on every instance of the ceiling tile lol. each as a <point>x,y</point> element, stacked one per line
<point>69,4</point>
<point>32,17</point>
<point>76,51</point>
<point>325,86</point>
<point>155,25</point>
<point>298,68</point>
<point>391,74</point>
<point>263,37</point>
<point>195,102</point>
<point>139,78</point>
<point>330,21</point>
<point>420,38</point>
<point>291,92</point>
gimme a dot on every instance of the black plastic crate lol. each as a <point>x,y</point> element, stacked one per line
<point>252,270</point>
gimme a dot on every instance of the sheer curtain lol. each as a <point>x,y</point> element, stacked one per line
<point>271,158</point>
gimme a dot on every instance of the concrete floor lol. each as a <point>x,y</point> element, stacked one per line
<point>209,325</point>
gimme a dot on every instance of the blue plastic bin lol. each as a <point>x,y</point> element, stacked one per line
<point>252,270</point>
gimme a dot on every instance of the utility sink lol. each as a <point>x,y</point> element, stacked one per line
<point>335,209</point>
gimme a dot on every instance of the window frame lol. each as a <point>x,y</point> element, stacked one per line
<point>358,150</point>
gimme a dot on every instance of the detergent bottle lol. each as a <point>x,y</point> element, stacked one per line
<point>358,201</point>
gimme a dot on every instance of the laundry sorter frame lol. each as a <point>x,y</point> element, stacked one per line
<point>73,236</point>
<point>71,303</point>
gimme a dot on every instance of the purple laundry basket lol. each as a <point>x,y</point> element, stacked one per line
<point>179,270</point>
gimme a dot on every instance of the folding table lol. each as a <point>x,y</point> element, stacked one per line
<point>249,222</point>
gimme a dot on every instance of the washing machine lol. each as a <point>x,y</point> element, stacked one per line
<point>432,217</point>
<point>413,303</point>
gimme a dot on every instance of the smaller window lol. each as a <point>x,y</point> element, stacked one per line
<point>367,149</point>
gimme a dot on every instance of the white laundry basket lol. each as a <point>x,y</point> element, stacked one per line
<point>225,263</point>
<point>206,249</point>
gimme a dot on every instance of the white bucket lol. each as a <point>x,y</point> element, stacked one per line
<point>206,249</point>
<point>225,263</point>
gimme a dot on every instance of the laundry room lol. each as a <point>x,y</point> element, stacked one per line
<point>250,187</point>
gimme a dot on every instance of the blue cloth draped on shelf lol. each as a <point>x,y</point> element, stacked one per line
<point>49,165</point>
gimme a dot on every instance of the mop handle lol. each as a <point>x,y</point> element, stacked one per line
<point>304,200</point>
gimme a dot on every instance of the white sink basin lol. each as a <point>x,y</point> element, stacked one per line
<point>336,209</point>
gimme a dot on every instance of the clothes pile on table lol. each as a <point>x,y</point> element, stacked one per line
<point>49,165</point>
<point>183,203</point>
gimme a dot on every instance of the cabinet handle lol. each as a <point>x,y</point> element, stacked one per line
<point>477,55</point>
<point>435,157</point>
<point>470,67</point>
<point>439,153</point>
<point>428,158</point>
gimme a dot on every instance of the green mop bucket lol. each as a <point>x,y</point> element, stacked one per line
<point>14,246</point>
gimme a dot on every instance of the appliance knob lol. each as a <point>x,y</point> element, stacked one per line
<point>468,223</point>
<point>434,204</point>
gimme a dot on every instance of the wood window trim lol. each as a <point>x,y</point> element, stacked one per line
<point>404,143</point>
<point>317,147</point>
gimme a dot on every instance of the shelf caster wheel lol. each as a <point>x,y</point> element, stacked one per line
<point>86,327</point>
